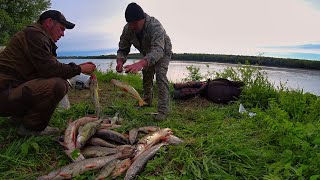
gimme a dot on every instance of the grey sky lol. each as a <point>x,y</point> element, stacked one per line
<point>203,26</point>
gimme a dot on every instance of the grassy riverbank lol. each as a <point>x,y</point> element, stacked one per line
<point>281,142</point>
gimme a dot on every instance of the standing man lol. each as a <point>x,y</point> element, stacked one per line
<point>149,37</point>
<point>32,81</point>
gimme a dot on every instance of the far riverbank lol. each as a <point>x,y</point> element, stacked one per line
<point>220,58</point>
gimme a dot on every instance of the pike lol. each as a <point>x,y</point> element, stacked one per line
<point>133,133</point>
<point>129,89</point>
<point>85,132</point>
<point>107,169</point>
<point>107,134</point>
<point>100,142</point>
<point>77,168</point>
<point>139,163</point>
<point>173,140</point>
<point>94,94</point>
<point>121,167</point>
<point>70,135</point>
<point>148,129</point>
<point>98,151</point>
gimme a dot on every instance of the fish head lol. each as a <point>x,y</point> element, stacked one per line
<point>80,141</point>
<point>168,131</point>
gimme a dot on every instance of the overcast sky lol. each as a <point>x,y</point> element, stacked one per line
<point>244,27</point>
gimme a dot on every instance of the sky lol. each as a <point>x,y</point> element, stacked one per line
<point>277,28</point>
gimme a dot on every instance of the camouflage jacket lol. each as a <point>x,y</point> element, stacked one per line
<point>154,44</point>
<point>31,54</point>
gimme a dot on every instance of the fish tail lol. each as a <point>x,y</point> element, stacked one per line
<point>142,102</point>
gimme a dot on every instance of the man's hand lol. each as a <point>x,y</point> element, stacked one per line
<point>134,68</point>
<point>87,67</point>
<point>119,65</point>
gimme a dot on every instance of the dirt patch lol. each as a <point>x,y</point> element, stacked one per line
<point>78,96</point>
<point>196,102</point>
<point>108,93</point>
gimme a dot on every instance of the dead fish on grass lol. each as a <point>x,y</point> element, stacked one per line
<point>127,88</point>
<point>173,140</point>
<point>148,129</point>
<point>71,134</point>
<point>112,135</point>
<point>98,151</point>
<point>86,131</point>
<point>77,168</point>
<point>107,170</point>
<point>133,133</point>
<point>139,163</point>
<point>151,139</point>
<point>100,142</point>
<point>121,167</point>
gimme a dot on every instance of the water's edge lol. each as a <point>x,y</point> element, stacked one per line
<point>308,80</point>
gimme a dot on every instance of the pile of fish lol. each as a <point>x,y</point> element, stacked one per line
<point>92,144</point>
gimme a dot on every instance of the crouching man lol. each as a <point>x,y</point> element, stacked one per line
<point>32,81</point>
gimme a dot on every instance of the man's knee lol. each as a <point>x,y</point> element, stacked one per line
<point>60,87</point>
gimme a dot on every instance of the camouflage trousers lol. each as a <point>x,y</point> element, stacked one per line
<point>160,69</point>
<point>33,102</point>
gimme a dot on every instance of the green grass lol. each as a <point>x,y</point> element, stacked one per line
<point>281,142</point>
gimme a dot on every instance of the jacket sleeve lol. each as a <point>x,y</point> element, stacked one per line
<point>124,45</point>
<point>157,44</point>
<point>44,61</point>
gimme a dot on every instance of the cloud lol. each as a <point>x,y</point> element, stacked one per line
<point>98,24</point>
<point>313,4</point>
<point>205,26</point>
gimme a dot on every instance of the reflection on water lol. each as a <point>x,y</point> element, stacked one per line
<point>308,80</point>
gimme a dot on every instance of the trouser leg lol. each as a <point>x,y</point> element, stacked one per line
<point>34,102</point>
<point>161,69</point>
<point>147,80</point>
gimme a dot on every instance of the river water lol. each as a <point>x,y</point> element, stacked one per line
<point>307,80</point>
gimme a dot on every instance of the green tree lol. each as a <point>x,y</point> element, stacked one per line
<point>16,14</point>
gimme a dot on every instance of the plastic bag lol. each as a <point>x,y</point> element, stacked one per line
<point>243,110</point>
<point>65,103</point>
<point>76,80</point>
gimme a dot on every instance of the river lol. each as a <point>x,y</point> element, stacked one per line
<point>308,80</point>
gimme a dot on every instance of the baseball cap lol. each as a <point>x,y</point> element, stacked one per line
<point>58,16</point>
